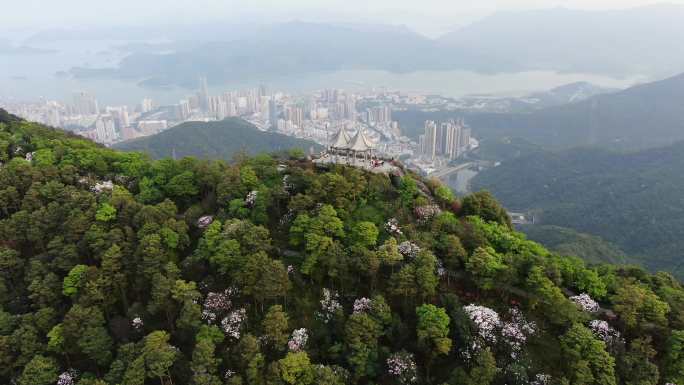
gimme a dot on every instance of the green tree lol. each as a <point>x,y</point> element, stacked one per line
<point>636,366</point>
<point>674,359</point>
<point>275,326</point>
<point>106,213</point>
<point>433,330</point>
<point>483,204</point>
<point>159,355</point>
<point>296,369</point>
<point>638,306</point>
<point>74,280</point>
<point>361,335</point>
<point>482,372</point>
<point>585,357</point>
<point>364,234</point>
<point>39,371</point>
<point>484,265</point>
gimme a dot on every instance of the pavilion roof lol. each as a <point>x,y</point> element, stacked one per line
<point>341,139</point>
<point>360,142</point>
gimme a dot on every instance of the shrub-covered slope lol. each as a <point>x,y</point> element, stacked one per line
<point>121,270</point>
<point>214,140</point>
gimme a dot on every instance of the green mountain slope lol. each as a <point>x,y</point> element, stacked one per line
<point>566,241</point>
<point>633,200</point>
<point>214,140</point>
<point>117,269</point>
<point>644,116</point>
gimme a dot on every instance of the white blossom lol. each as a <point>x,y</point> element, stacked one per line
<point>362,305</point>
<point>290,269</point>
<point>233,322</point>
<point>605,332</point>
<point>99,187</point>
<point>486,320</point>
<point>441,271</point>
<point>330,305</point>
<point>516,331</point>
<point>205,221</point>
<point>216,303</point>
<point>392,226</point>
<point>228,374</point>
<point>250,200</point>
<point>585,302</point>
<point>137,323</point>
<point>68,377</point>
<point>298,340</point>
<point>408,249</point>
<point>402,366</point>
<point>541,379</point>
<point>29,156</point>
<point>426,213</point>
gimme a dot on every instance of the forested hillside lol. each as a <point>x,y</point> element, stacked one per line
<point>633,200</point>
<point>117,269</point>
<point>214,140</point>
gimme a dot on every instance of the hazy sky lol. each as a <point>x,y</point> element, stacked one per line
<point>427,16</point>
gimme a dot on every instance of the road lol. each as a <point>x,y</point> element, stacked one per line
<point>449,170</point>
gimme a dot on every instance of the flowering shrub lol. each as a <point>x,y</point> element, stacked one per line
<point>516,331</point>
<point>298,340</point>
<point>541,379</point>
<point>425,213</point>
<point>205,221</point>
<point>362,305</point>
<point>290,269</point>
<point>605,332</point>
<point>392,227</point>
<point>408,249</point>
<point>217,303</point>
<point>137,323</point>
<point>228,374</point>
<point>402,366</point>
<point>68,377</point>
<point>250,200</point>
<point>585,302</point>
<point>233,322</point>
<point>330,305</point>
<point>486,321</point>
<point>102,186</point>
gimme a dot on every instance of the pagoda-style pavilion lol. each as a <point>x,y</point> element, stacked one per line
<point>344,145</point>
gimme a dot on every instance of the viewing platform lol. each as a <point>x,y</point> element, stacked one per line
<point>356,151</point>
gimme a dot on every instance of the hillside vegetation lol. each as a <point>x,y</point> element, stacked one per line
<point>117,269</point>
<point>633,200</point>
<point>214,140</point>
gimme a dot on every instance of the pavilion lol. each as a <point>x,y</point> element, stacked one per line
<point>343,144</point>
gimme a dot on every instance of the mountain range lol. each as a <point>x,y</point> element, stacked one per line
<point>214,140</point>
<point>640,41</point>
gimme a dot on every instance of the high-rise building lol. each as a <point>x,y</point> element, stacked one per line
<point>203,94</point>
<point>85,104</point>
<point>295,114</point>
<point>273,114</point>
<point>146,105</point>
<point>448,139</point>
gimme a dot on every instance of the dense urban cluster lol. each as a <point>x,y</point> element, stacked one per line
<point>315,116</point>
<point>121,270</point>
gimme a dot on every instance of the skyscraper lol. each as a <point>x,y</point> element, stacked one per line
<point>203,94</point>
<point>85,104</point>
<point>273,114</point>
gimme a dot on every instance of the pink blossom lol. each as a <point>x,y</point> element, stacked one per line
<point>362,305</point>
<point>298,340</point>
<point>402,366</point>
<point>330,305</point>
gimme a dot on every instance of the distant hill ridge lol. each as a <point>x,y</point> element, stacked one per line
<point>632,200</point>
<point>213,140</point>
